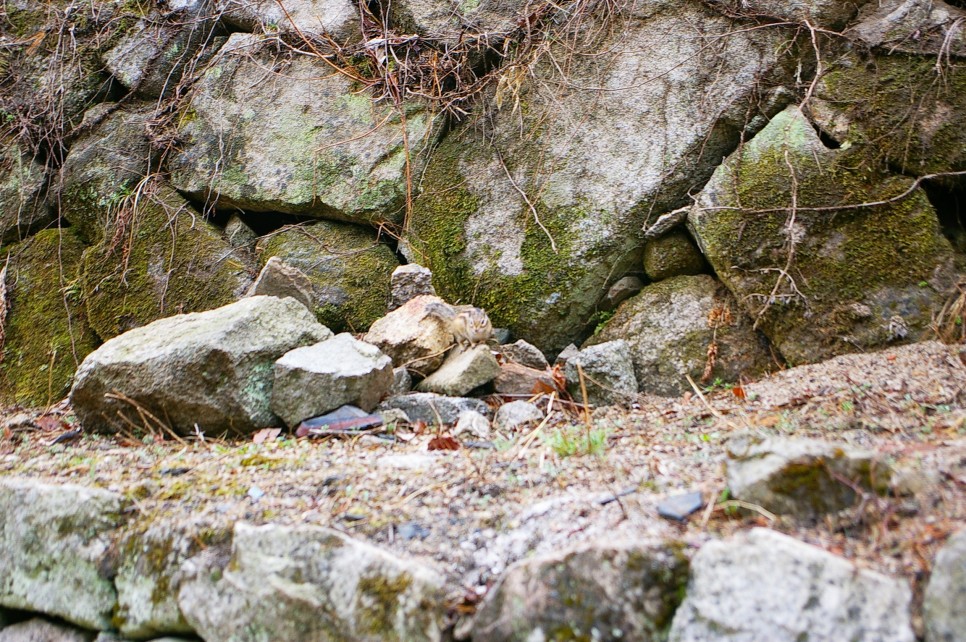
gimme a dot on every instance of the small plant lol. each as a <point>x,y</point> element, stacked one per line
<point>568,442</point>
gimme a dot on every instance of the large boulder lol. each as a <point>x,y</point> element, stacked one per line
<point>567,167</point>
<point>209,371</point>
<point>162,258</point>
<point>348,268</point>
<point>338,19</point>
<point>944,606</point>
<point>57,544</point>
<point>763,585</point>
<point>819,277</point>
<point>301,140</point>
<point>829,14</point>
<point>671,326</point>
<point>45,332</point>
<point>601,590</point>
<point>310,583</point>
<point>913,26</point>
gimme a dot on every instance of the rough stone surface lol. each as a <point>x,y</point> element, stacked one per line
<point>766,586</point>
<point>336,18</point>
<point>40,524</point>
<point>601,590</point>
<point>515,379</point>
<point>432,408</point>
<point>307,582</point>
<point>303,142</point>
<point>462,371</point>
<point>526,354</point>
<point>168,261</point>
<point>608,374</point>
<point>45,332</point>
<point>800,477</point>
<point>408,282</point>
<point>944,607</point>
<point>280,279</point>
<point>349,270</point>
<point>23,202</point>
<point>313,380</point>
<point>856,279</point>
<point>673,254</point>
<point>37,630</point>
<point>402,381</point>
<point>473,424</point>
<point>623,289</point>
<point>588,166</point>
<point>515,414</point>
<point>149,574</point>
<point>912,26</point>
<point>473,23</point>
<point>209,369</point>
<point>819,13</point>
<point>413,336</point>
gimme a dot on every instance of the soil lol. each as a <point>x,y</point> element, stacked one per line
<point>473,511</point>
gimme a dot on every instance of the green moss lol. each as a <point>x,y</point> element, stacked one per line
<point>378,601</point>
<point>47,333</point>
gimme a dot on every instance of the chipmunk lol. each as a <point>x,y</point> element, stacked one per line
<point>470,326</point>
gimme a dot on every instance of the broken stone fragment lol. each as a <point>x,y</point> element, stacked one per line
<point>515,379</point>
<point>280,279</point>
<point>763,585</point>
<point>315,379</point>
<point>601,590</point>
<point>806,478</point>
<point>608,374</point>
<point>524,353</point>
<point>408,282</point>
<point>513,415</point>
<point>432,409</point>
<point>413,336</point>
<point>622,290</point>
<point>462,371</point>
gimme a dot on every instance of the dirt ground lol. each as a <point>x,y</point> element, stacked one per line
<point>473,511</point>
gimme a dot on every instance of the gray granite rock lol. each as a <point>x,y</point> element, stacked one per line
<point>513,415</point>
<point>408,282</point>
<point>524,353</point>
<point>38,630</point>
<point>944,606</point>
<point>608,374</point>
<point>462,371</point>
<point>279,279</point>
<point>432,408</point>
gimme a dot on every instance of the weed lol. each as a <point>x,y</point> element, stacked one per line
<point>568,442</point>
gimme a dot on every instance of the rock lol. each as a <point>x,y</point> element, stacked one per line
<point>102,172</point>
<point>310,144</point>
<point>57,550</point>
<point>170,260</point>
<point>800,477</point>
<point>474,424</point>
<point>587,168</point>
<point>468,24</point>
<point>307,582</point>
<point>601,590</point>
<point>525,354</point>
<point>678,507</point>
<point>408,282</point>
<point>412,336</point>
<point>608,374</point>
<point>313,380</point>
<point>515,379</point>
<point>622,290</point>
<point>462,371</point>
<point>211,370</point>
<point>149,574</point>
<point>338,19</point>
<point>944,606</point>
<point>925,139</point>
<point>38,630</point>
<point>669,328</point>
<point>239,235</point>
<point>348,268</point>
<point>874,276</point>
<point>45,328</point>
<point>673,254</point>
<point>151,57</point>
<point>566,355</point>
<point>23,199</point>
<point>829,14</point>
<point>433,409</point>
<point>402,382</point>
<point>279,279</point>
<point>923,27</point>
<point>515,414</point>
<point>763,585</point>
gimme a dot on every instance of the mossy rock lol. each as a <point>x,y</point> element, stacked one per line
<point>349,269</point>
<point>907,111</point>
<point>673,254</point>
<point>534,210</point>
<point>23,198</point>
<point>163,259</point>
<point>852,278</point>
<point>46,330</point>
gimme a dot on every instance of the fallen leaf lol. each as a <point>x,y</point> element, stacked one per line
<point>266,434</point>
<point>443,442</point>
<point>739,392</point>
<point>49,423</point>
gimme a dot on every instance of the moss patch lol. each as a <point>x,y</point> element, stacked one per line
<point>47,333</point>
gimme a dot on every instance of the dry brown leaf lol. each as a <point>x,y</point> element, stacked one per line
<point>266,434</point>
